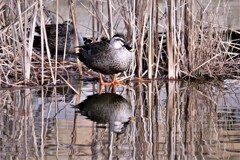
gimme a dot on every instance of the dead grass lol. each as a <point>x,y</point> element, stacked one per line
<point>198,44</point>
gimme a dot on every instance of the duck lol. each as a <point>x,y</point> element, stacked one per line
<point>64,28</point>
<point>107,108</point>
<point>107,57</point>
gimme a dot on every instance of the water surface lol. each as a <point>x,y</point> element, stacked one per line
<point>153,120</point>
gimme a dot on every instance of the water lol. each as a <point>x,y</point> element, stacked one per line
<point>152,120</point>
<point>228,14</point>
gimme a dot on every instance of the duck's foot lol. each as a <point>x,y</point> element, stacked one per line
<point>114,88</point>
<point>115,81</point>
<point>101,80</point>
<point>102,83</point>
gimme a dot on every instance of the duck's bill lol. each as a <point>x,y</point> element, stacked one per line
<point>129,48</point>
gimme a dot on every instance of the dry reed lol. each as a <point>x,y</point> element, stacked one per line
<point>187,40</point>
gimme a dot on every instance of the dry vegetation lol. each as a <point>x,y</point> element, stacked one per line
<point>197,43</point>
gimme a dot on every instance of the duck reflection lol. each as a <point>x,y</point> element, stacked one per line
<point>108,108</point>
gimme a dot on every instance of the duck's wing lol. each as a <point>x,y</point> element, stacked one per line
<point>94,49</point>
<point>91,53</point>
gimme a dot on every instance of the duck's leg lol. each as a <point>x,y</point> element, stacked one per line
<point>114,88</point>
<point>101,80</point>
<point>100,89</point>
<point>102,83</point>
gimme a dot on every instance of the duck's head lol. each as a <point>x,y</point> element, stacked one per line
<point>118,41</point>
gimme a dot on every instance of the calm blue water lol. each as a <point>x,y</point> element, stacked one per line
<point>156,120</point>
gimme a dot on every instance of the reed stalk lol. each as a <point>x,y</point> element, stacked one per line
<point>56,44</point>
<point>189,40</point>
<point>93,21</point>
<point>170,39</point>
<point>150,47</point>
<point>110,18</point>
<point>42,44</point>
<point>72,4</point>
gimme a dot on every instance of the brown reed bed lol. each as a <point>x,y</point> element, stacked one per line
<point>184,39</point>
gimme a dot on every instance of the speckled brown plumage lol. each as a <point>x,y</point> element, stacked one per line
<point>62,32</point>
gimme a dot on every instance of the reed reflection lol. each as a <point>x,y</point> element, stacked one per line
<point>108,108</point>
<point>172,120</point>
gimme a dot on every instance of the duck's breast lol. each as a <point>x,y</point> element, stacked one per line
<point>114,62</point>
